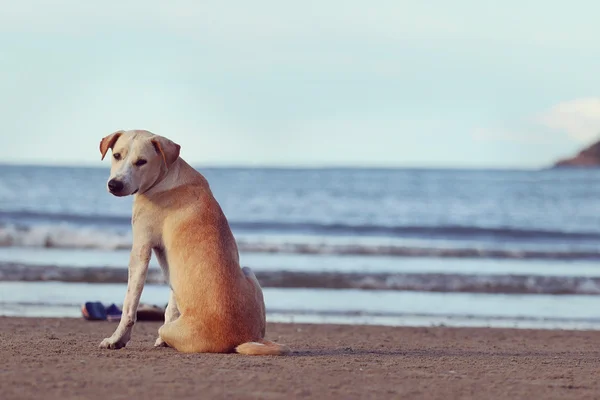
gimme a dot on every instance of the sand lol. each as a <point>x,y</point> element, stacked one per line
<point>59,359</point>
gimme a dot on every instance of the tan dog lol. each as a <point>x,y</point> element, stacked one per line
<point>215,306</point>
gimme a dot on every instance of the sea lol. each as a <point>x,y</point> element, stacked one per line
<point>399,247</point>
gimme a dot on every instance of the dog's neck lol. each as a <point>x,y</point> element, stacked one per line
<point>179,173</point>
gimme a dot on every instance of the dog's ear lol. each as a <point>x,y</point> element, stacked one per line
<point>168,149</point>
<point>108,142</point>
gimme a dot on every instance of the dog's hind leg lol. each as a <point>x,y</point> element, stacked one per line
<point>177,335</point>
<point>171,315</point>
<point>257,292</point>
<point>171,312</point>
<point>183,338</point>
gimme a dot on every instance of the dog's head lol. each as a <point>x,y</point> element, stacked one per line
<point>140,159</point>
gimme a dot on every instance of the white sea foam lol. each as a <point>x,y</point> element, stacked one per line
<point>428,282</point>
<point>77,237</point>
<point>59,236</point>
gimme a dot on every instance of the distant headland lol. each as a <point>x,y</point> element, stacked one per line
<point>588,157</point>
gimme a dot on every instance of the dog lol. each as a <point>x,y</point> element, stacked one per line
<point>214,305</point>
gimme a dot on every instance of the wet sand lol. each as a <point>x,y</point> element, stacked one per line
<point>59,359</point>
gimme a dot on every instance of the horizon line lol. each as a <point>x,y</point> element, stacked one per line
<point>297,166</point>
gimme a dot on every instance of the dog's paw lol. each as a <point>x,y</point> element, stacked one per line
<point>160,343</point>
<point>110,343</point>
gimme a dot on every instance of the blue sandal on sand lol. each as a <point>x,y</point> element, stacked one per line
<point>95,311</point>
<point>113,313</point>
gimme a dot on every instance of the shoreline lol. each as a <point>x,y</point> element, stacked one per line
<point>362,319</point>
<point>60,358</point>
<point>346,306</point>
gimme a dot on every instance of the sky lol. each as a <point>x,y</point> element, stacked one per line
<point>462,83</point>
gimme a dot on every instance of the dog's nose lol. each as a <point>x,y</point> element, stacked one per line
<point>115,185</point>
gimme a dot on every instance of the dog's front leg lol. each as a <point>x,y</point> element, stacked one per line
<point>138,270</point>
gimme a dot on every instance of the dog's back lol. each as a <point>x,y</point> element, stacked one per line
<point>221,304</point>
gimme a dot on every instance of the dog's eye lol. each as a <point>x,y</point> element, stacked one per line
<point>140,162</point>
<point>117,156</point>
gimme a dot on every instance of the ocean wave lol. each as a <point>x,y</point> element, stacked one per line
<point>62,236</point>
<point>403,251</point>
<point>69,237</point>
<point>30,218</point>
<point>507,284</point>
<point>33,217</point>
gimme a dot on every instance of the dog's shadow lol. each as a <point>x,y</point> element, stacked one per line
<point>434,353</point>
<point>344,352</point>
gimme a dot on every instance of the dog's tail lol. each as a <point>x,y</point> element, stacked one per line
<point>263,348</point>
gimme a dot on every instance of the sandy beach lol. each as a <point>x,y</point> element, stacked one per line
<point>59,359</point>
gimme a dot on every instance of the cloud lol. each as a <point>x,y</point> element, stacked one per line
<point>579,118</point>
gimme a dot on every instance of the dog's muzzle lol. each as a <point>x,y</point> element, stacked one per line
<point>115,186</point>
